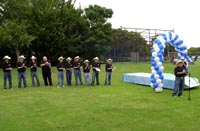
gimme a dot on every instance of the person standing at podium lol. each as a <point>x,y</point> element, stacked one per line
<point>180,73</point>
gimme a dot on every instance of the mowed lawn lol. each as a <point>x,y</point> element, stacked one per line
<point>119,107</point>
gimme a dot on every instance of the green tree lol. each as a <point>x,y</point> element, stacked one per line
<point>59,27</point>
<point>54,28</point>
<point>14,25</point>
<point>99,37</point>
<point>194,51</point>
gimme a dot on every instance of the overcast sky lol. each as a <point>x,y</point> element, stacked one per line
<point>180,15</point>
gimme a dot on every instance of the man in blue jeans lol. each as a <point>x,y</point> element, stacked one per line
<point>108,69</point>
<point>96,69</point>
<point>69,68</point>
<point>33,69</point>
<point>21,66</point>
<point>60,68</point>
<point>77,71</point>
<point>86,72</point>
<point>7,72</point>
<point>180,74</point>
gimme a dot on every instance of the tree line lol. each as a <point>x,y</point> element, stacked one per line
<point>55,27</point>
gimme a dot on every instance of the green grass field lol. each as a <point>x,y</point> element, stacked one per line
<point>119,107</point>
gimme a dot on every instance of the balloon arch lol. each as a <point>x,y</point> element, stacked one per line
<point>157,58</point>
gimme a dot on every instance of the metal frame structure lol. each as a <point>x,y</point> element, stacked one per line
<point>148,34</point>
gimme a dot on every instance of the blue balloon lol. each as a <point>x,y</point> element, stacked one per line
<point>158,42</point>
<point>161,47</point>
<point>153,81</point>
<point>162,51</point>
<point>152,76</point>
<point>179,43</point>
<point>162,59</point>
<point>156,68</point>
<point>155,85</point>
<point>183,48</point>
<point>152,50</point>
<point>176,37</point>
<point>185,55</point>
<point>164,36</point>
<point>161,77</point>
<point>160,55</point>
<point>170,35</point>
<point>152,58</point>
<point>159,72</point>
<point>153,63</point>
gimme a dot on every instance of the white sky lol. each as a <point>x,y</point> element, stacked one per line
<point>180,15</point>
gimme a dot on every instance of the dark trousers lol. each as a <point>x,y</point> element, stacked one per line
<point>95,74</point>
<point>69,78</point>
<point>7,75</point>
<point>47,76</point>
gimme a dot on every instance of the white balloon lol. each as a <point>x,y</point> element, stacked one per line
<point>184,51</point>
<point>151,84</point>
<point>157,59</point>
<point>162,40</point>
<point>157,49</point>
<point>162,68</point>
<point>155,46</point>
<point>160,85</point>
<point>164,45</point>
<point>159,63</point>
<point>159,81</point>
<point>158,90</point>
<point>156,76</point>
<point>152,68</point>
<point>154,54</point>
<point>154,72</point>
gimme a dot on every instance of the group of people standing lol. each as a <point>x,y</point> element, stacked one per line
<point>76,66</point>
<point>62,67</point>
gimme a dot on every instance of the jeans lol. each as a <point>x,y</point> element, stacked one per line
<point>34,74</point>
<point>95,74</point>
<point>87,78</point>
<point>7,75</point>
<point>69,78</point>
<point>178,86</point>
<point>108,78</point>
<point>61,78</point>
<point>21,75</point>
<point>77,74</point>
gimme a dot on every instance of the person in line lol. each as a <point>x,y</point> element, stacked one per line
<point>77,71</point>
<point>96,69</point>
<point>60,68</point>
<point>180,73</point>
<point>33,69</point>
<point>21,66</point>
<point>7,72</point>
<point>86,71</point>
<point>46,71</point>
<point>108,69</point>
<point>68,68</point>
